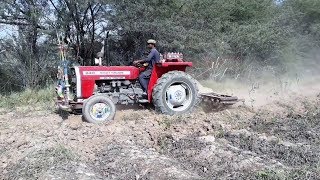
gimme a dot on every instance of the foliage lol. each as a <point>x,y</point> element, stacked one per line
<point>266,32</point>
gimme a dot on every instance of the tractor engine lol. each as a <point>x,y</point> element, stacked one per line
<point>120,91</point>
<point>119,83</point>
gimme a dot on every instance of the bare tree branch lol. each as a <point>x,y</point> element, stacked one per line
<point>15,23</point>
<point>55,7</point>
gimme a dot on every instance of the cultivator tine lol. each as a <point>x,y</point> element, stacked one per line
<point>217,99</point>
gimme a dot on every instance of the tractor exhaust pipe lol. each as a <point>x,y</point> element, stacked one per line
<point>106,49</point>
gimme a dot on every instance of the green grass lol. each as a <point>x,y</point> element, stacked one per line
<point>39,99</point>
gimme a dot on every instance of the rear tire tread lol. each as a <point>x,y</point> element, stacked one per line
<point>159,88</point>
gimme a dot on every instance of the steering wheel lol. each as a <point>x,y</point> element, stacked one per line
<point>140,65</point>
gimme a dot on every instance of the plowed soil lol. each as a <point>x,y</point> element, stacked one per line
<point>275,139</point>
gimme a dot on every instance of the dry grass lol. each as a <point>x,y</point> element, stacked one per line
<point>36,164</point>
<point>35,99</point>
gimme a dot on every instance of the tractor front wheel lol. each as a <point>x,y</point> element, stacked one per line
<point>98,109</point>
<point>176,92</point>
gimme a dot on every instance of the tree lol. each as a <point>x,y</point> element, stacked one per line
<point>263,31</point>
<point>22,51</point>
<point>83,22</point>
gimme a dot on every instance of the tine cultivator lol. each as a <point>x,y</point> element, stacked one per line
<point>219,99</point>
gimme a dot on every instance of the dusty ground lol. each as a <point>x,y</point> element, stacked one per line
<point>275,138</point>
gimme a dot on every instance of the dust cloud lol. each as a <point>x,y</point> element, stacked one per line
<point>270,85</point>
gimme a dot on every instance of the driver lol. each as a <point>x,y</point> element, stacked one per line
<point>152,59</point>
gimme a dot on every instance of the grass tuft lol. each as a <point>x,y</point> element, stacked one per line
<point>40,99</point>
<point>38,163</point>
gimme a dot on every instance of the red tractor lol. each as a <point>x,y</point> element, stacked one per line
<point>96,89</point>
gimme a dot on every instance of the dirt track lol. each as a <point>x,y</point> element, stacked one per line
<point>271,141</point>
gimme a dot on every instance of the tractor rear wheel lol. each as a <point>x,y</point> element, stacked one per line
<point>176,92</point>
<point>98,109</point>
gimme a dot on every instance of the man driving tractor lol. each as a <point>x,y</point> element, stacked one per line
<point>95,90</point>
<point>152,59</point>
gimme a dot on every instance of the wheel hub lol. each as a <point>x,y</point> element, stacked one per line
<point>100,111</point>
<point>176,95</point>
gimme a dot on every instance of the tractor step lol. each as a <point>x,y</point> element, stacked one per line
<point>218,99</point>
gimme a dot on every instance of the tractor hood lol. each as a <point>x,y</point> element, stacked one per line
<point>108,72</point>
<point>87,76</point>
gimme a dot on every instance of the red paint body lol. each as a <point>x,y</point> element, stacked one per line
<point>162,68</point>
<point>90,74</point>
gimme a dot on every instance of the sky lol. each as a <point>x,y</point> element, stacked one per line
<point>6,31</point>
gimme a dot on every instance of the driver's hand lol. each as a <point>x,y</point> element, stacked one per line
<point>136,62</point>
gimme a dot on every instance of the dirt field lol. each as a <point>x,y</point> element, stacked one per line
<point>268,138</point>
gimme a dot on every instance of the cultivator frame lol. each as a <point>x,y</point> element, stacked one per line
<point>219,99</point>
<point>213,99</point>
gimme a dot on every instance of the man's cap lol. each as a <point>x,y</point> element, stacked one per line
<point>151,41</point>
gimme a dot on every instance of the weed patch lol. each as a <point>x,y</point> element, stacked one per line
<point>33,99</point>
<point>36,164</point>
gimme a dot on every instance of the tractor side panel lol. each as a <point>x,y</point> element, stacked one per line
<point>87,88</point>
<point>90,74</point>
<point>157,72</point>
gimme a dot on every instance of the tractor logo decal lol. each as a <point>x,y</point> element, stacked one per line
<point>95,73</point>
<point>116,77</point>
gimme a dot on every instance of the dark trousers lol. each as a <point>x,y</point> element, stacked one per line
<point>144,78</point>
